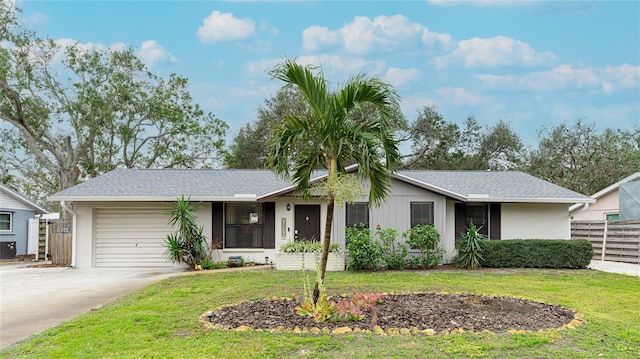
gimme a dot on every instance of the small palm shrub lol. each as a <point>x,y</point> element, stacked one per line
<point>188,244</point>
<point>425,238</point>
<point>469,247</point>
<point>364,252</point>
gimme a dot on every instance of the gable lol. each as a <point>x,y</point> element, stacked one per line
<point>10,199</point>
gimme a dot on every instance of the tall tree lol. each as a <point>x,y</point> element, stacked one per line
<point>433,141</point>
<point>579,157</point>
<point>330,138</point>
<point>249,146</point>
<point>438,144</point>
<point>77,112</point>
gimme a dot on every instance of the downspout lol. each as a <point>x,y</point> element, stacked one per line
<point>584,208</point>
<point>74,216</point>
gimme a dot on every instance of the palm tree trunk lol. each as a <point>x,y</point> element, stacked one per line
<point>326,241</point>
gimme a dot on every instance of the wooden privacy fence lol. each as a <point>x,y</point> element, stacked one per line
<point>60,241</point>
<point>612,241</point>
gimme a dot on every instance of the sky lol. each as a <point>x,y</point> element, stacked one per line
<point>533,64</point>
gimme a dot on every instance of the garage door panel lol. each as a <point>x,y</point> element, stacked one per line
<point>131,237</point>
<point>135,251</point>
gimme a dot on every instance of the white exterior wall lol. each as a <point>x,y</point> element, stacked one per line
<point>395,212</point>
<point>535,221</point>
<point>9,202</point>
<point>449,235</point>
<point>606,204</point>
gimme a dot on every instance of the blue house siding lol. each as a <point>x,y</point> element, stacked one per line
<point>19,230</point>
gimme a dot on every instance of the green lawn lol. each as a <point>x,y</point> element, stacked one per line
<point>161,320</point>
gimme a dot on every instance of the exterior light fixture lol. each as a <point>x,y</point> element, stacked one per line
<point>266,260</point>
<point>209,315</point>
<point>288,207</point>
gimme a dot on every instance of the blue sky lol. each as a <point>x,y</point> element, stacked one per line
<point>532,64</point>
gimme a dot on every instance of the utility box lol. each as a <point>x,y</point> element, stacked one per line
<point>7,250</point>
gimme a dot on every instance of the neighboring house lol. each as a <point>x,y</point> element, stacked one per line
<point>121,216</point>
<point>620,201</point>
<point>15,212</point>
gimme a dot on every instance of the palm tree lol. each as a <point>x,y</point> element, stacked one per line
<point>337,133</point>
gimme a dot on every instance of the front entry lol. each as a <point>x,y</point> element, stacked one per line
<point>307,222</point>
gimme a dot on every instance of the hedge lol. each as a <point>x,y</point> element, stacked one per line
<point>537,253</point>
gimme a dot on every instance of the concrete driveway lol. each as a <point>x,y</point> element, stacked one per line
<point>35,299</point>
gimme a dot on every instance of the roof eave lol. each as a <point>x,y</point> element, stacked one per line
<point>530,200</point>
<point>613,187</point>
<point>292,188</point>
<point>38,208</point>
<point>430,187</point>
<point>237,198</point>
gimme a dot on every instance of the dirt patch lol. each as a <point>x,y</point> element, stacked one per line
<point>438,312</point>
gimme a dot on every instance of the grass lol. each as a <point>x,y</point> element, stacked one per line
<point>162,320</point>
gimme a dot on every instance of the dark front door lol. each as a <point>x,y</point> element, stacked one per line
<point>307,222</point>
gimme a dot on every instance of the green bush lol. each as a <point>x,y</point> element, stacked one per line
<point>364,253</point>
<point>427,239</point>
<point>393,254</point>
<point>537,253</point>
<point>306,246</point>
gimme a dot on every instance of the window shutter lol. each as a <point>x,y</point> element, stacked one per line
<point>461,219</point>
<point>217,222</point>
<point>269,225</point>
<point>494,220</point>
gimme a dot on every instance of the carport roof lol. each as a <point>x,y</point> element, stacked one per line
<point>255,185</point>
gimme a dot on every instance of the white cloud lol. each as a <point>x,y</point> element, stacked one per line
<point>33,20</point>
<point>397,77</point>
<point>225,27</point>
<point>494,52</point>
<point>262,66</point>
<point>151,53</point>
<point>458,96</point>
<point>316,37</point>
<point>609,79</point>
<point>343,66</point>
<point>364,35</point>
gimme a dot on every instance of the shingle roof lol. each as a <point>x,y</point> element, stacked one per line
<point>167,184</point>
<point>492,186</point>
<point>229,185</point>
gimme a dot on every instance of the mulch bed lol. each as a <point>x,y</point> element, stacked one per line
<point>439,312</point>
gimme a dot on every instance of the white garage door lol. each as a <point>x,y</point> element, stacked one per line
<point>131,237</point>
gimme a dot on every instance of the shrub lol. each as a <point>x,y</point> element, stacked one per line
<point>393,254</point>
<point>427,239</point>
<point>537,253</point>
<point>470,246</point>
<point>188,244</point>
<point>306,246</point>
<point>364,253</point>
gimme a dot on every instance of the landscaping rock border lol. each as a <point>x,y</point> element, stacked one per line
<point>404,314</point>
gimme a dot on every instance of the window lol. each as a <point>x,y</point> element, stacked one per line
<point>243,225</point>
<point>612,217</point>
<point>478,214</point>
<point>421,213</point>
<point>357,214</point>
<point>6,221</point>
